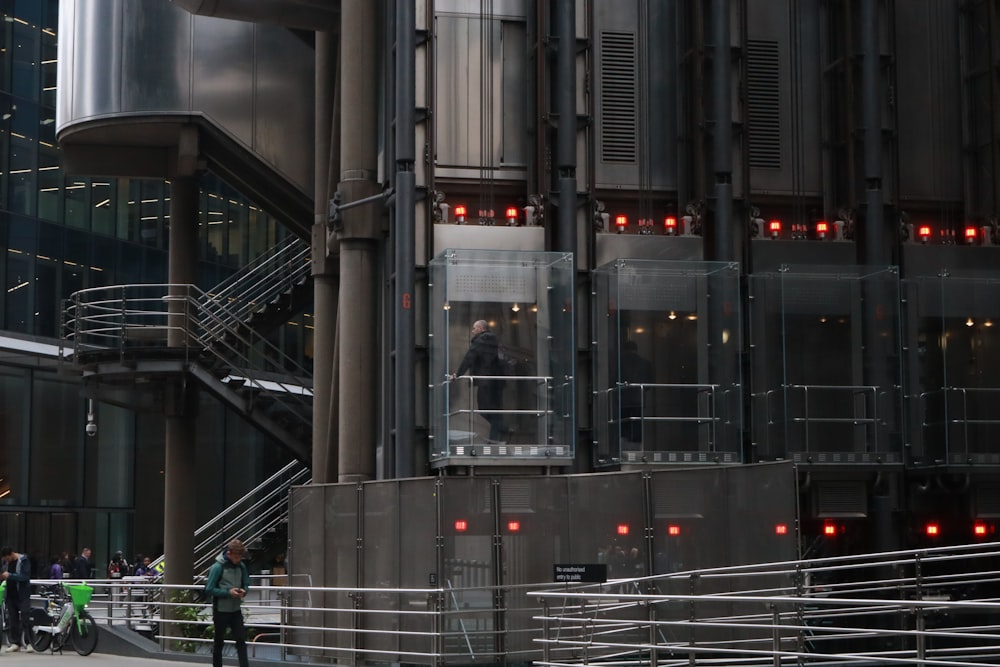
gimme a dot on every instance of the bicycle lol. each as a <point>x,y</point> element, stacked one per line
<point>65,619</point>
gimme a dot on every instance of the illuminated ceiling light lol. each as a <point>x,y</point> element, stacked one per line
<point>534,307</point>
<point>822,320</point>
<point>988,323</point>
<point>447,306</point>
<point>672,315</point>
<point>692,317</point>
<point>640,330</point>
<point>516,308</point>
<point>970,322</point>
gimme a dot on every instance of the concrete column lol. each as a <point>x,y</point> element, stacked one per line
<point>326,283</point>
<point>180,400</point>
<point>358,235</point>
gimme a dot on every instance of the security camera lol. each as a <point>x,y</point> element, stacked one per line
<point>91,428</point>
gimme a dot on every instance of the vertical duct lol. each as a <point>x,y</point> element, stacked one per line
<point>872,247</point>
<point>722,239</point>
<point>565,24</point>
<point>403,233</point>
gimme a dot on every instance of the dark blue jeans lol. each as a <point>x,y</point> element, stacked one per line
<point>234,621</point>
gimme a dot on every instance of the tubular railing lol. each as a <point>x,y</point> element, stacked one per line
<point>932,607</point>
<point>929,607</point>
<point>251,517</point>
<point>962,416</point>
<point>260,282</point>
<point>127,318</point>
<point>823,408</point>
<point>537,419</point>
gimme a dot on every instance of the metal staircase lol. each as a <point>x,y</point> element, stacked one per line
<point>260,514</point>
<point>121,331</point>
<point>264,292</point>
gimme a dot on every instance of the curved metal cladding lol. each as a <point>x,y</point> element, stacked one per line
<point>132,73</point>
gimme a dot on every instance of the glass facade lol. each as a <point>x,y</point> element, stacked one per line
<point>59,233</point>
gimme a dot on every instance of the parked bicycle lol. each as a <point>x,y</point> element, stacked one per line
<point>65,618</point>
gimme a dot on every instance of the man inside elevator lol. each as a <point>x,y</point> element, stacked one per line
<point>482,359</point>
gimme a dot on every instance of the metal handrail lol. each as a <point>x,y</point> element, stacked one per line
<point>250,517</point>
<point>270,275</point>
<point>807,419</point>
<point>919,608</point>
<point>543,409</point>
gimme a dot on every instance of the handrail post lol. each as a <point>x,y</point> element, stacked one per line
<point>775,636</point>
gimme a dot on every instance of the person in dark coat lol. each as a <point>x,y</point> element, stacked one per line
<point>17,573</point>
<point>482,358</point>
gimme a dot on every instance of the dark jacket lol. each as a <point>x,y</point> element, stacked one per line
<point>19,579</point>
<point>481,359</point>
<point>223,576</point>
<point>81,567</point>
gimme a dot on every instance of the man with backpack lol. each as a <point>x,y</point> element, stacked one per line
<point>482,359</point>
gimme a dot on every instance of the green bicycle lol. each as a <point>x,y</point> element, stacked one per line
<point>65,618</point>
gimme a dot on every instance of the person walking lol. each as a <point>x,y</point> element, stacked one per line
<point>82,566</point>
<point>227,583</point>
<point>17,574</point>
<point>482,359</point>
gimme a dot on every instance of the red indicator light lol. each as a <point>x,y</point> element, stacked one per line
<point>623,529</point>
<point>461,525</point>
<point>460,213</point>
<point>924,232</point>
<point>513,526</point>
<point>774,227</point>
<point>670,225</point>
<point>621,222</point>
<point>673,531</point>
<point>979,529</point>
<point>822,229</point>
<point>932,530</point>
<point>781,529</point>
<point>829,529</point>
<point>971,234</point>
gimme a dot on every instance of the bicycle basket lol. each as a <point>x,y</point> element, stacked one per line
<point>80,594</point>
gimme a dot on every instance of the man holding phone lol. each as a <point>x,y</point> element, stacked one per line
<point>228,581</point>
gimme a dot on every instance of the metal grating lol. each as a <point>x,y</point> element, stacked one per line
<point>618,100</point>
<point>841,499</point>
<point>763,104</point>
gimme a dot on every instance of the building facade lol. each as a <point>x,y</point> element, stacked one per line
<point>703,233</point>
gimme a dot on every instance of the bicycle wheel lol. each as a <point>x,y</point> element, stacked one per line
<point>84,633</point>
<point>40,639</point>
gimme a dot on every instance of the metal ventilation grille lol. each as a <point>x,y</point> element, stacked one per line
<point>841,499</point>
<point>618,101</point>
<point>515,496</point>
<point>763,104</point>
<point>987,501</point>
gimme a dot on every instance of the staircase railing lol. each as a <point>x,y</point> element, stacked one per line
<point>264,281</point>
<point>251,518</point>
<point>135,319</point>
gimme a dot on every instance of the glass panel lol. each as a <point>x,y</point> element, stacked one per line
<point>13,434</point>
<point>23,158</point>
<point>103,195</point>
<point>954,367</point>
<point>78,202</point>
<point>825,357</point>
<point>21,246</point>
<point>110,458</point>
<point>56,454</point>
<point>25,74</point>
<point>667,362</point>
<point>502,357</point>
